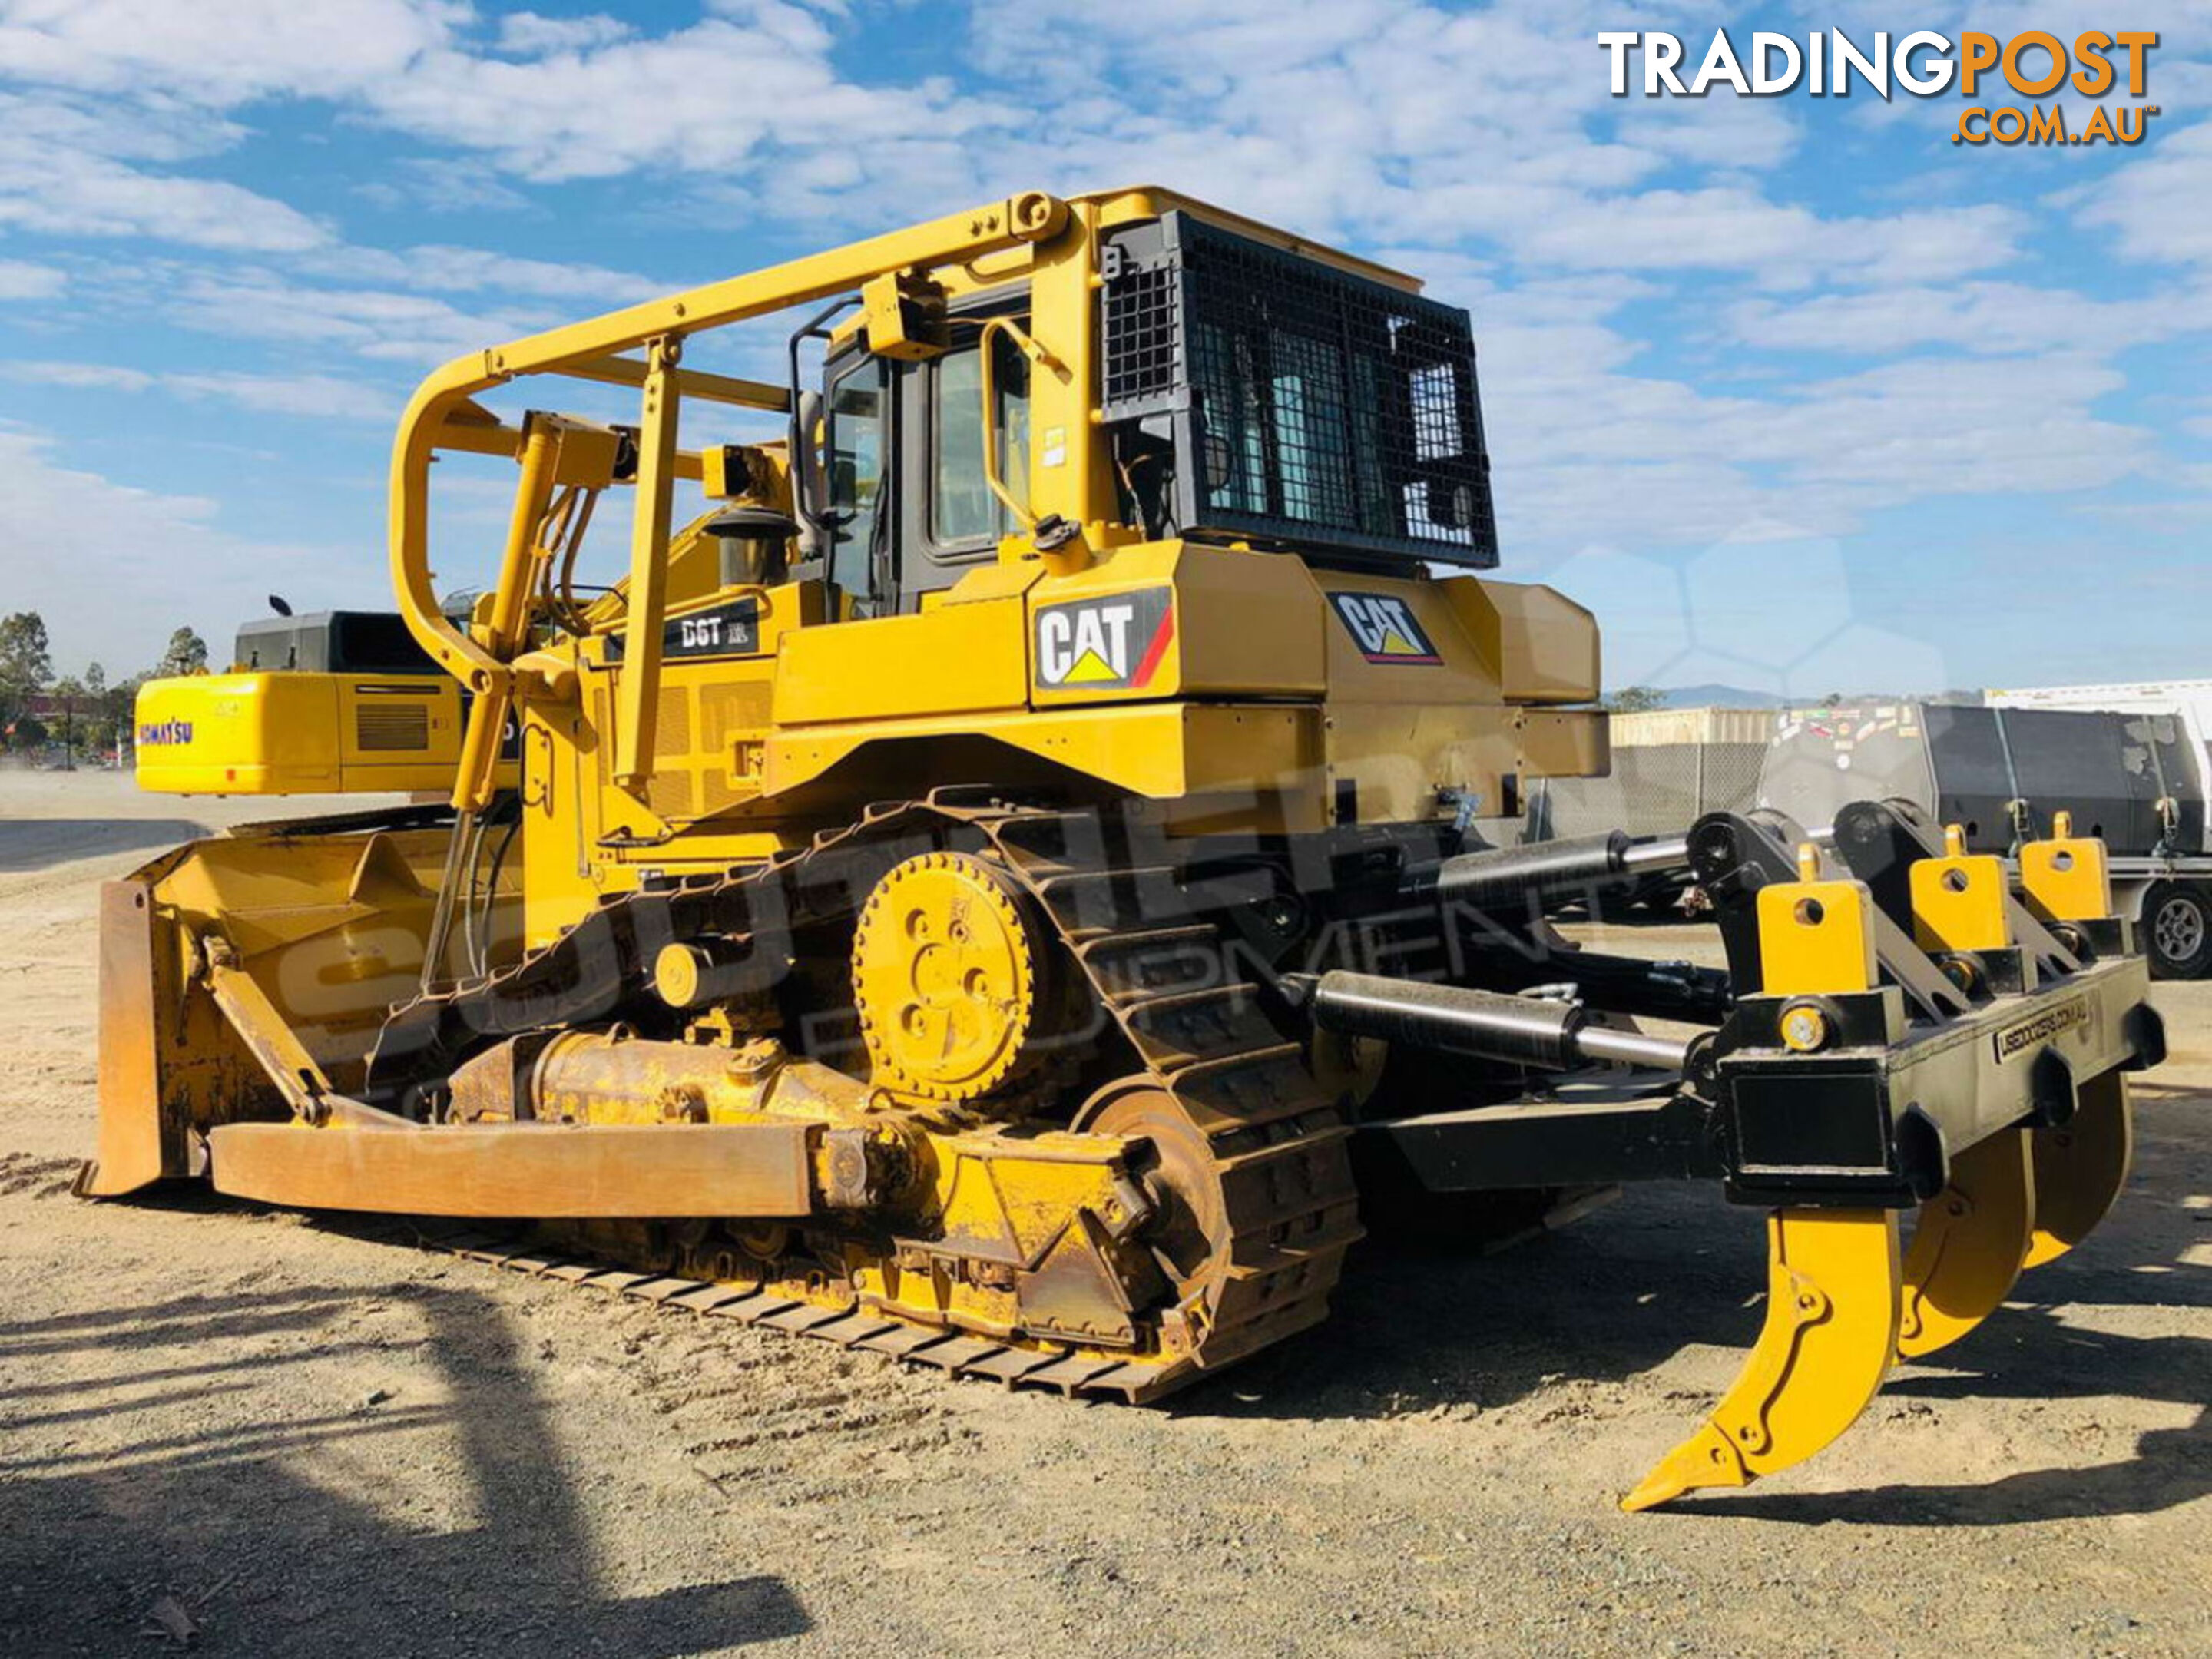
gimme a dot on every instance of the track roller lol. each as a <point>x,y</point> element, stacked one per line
<point>1833,1292</point>
<point>1970,1244</point>
<point>2080,1167</point>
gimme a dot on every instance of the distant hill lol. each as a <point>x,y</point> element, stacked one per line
<point>1734,696</point>
<point>1722,697</point>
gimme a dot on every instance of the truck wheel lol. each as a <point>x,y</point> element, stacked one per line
<point>2176,931</point>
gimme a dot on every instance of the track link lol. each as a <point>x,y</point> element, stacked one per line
<point>1155,966</point>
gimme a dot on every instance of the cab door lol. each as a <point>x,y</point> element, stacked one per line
<point>858,432</point>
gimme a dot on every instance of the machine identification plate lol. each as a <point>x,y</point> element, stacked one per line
<point>1382,627</point>
<point>723,630</point>
<point>2037,1030</point>
<point>1114,643</point>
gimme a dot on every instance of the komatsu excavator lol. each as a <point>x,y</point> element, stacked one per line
<point>997,880</point>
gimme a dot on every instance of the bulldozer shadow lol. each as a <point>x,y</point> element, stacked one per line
<point>31,844</point>
<point>218,1453</point>
<point>1416,1325</point>
<point>2059,1362</point>
<point>1614,1297</point>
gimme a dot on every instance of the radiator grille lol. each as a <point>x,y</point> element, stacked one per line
<point>730,712</point>
<point>696,762</point>
<point>391,727</point>
<point>671,789</point>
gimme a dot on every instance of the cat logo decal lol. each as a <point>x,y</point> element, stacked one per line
<point>1110,644</point>
<point>1382,627</point>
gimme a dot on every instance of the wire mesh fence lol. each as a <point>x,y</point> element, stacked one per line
<point>1655,789</point>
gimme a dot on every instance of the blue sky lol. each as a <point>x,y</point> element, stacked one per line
<point>1795,392</point>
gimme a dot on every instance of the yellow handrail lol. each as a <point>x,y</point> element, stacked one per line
<point>591,350</point>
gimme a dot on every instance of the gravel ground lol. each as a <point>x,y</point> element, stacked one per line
<point>297,1439</point>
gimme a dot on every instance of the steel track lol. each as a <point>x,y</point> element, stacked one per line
<point>1154,960</point>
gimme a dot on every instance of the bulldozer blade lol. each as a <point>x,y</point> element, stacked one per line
<point>2080,1167</point>
<point>524,1171</point>
<point>1969,1247</point>
<point>1833,1291</point>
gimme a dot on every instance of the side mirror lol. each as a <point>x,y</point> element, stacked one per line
<point>808,483</point>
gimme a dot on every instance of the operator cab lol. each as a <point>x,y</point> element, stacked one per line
<point>909,508</point>
<point>1250,393</point>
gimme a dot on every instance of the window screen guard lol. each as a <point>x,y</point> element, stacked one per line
<point>1305,405</point>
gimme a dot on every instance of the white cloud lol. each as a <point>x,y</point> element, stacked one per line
<point>527,34</point>
<point>321,396</point>
<point>220,52</point>
<point>2156,207</point>
<point>468,269</point>
<point>20,279</point>
<point>437,184</point>
<point>1365,119</point>
<point>591,100</point>
<point>66,195</point>
<point>105,377</point>
<point>1735,228</point>
<point>101,560</point>
<point>677,99</point>
<point>69,171</point>
<point>1986,317</point>
<point>416,329</point>
<point>1592,449</point>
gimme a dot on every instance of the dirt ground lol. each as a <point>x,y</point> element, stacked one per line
<point>309,1442</point>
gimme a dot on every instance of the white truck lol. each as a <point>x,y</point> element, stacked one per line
<point>2127,762</point>
<point>2167,889</point>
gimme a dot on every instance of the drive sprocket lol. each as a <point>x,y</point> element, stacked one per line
<point>947,979</point>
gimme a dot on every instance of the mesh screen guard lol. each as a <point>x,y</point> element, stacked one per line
<point>1289,401</point>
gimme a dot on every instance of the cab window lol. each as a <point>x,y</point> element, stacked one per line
<point>963,509</point>
<point>858,401</point>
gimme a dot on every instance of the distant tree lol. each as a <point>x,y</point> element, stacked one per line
<point>27,662</point>
<point>117,705</point>
<point>96,722</point>
<point>1636,700</point>
<point>28,733</point>
<point>74,699</point>
<point>187,654</point>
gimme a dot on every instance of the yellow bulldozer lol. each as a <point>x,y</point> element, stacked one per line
<point>997,878</point>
